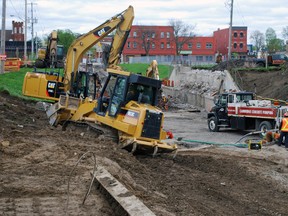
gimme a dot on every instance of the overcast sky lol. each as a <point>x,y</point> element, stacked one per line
<point>206,15</point>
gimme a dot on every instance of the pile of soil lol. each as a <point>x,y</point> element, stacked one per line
<point>269,84</point>
<point>36,163</point>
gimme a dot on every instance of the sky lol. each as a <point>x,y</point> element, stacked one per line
<point>205,16</point>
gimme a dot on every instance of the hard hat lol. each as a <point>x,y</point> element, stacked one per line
<point>286,114</point>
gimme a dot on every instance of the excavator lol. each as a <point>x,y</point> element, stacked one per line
<point>52,55</point>
<point>50,85</point>
<point>126,104</point>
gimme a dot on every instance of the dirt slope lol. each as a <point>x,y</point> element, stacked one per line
<point>272,84</point>
<point>36,161</point>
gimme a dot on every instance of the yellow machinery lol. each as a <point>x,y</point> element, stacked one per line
<point>51,85</point>
<point>127,102</point>
<point>52,55</point>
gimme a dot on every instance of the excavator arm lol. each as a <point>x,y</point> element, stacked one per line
<point>51,85</point>
<point>122,22</point>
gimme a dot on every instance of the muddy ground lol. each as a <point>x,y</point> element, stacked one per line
<point>36,163</point>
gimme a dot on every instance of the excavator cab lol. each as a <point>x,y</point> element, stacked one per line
<point>120,90</point>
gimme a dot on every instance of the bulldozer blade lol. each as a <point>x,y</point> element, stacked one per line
<point>51,113</point>
<point>145,147</point>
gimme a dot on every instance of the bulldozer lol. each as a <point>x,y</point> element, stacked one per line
<point>126,103</point>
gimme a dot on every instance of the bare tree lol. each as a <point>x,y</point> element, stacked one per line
<point>147,37</point>
<point>258,40</point>
<point>285,32</point>
<point>183,34</point>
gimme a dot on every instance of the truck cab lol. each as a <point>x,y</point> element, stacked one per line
<point>218,116</point>
<point>242,111</point>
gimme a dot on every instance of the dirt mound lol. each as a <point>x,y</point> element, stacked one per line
<point>270,84</point>
<point>36,161</point>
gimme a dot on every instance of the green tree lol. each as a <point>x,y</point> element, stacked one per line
<point>66,38</point>
<point>273,43</point>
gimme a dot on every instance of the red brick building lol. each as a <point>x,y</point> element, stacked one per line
<point>160,41</point>
<point>200,48</point>
<point>238,41</point>
<point>149,41</point>
<point>17,31</point>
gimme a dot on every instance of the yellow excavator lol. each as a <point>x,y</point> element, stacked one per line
<point>50,85</point>
<point>127,101</point>
<point>52,55</point>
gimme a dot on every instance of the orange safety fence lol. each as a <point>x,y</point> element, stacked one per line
<point>12,64</point>
<point>168,83</point>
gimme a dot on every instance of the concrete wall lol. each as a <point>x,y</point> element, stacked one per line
<point>197,87</point>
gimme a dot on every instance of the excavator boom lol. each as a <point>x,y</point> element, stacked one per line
<point>122,22</point>
<point>51,85</point>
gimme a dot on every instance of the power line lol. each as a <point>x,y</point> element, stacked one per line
<point>16,12</point>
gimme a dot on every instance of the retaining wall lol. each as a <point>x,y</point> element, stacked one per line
<point>197,87</point>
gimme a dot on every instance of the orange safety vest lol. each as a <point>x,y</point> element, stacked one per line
<point>284,127</point>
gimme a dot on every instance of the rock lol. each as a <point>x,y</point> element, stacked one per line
<point>5,143</point>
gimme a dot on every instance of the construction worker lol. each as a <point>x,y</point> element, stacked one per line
<point>284,131</point>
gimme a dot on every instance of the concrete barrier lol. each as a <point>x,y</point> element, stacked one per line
<point>12,64</point>
<point>196,87</point>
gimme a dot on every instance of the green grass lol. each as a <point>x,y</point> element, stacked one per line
<point>13,81</point>
<point>164,70</point>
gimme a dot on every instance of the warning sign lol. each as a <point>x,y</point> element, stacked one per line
<point>3,57</point>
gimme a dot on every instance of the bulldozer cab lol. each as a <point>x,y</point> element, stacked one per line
<point>120,90</point>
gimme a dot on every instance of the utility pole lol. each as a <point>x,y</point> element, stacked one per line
<point>3,35</point>
<point>230,31</point>
<point>32,32</point>
<point>25,35</point>
<point>33,20</point>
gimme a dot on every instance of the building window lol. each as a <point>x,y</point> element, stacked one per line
<point>198,45</point>
<point>134,34</point>
<point>162,35</point>
<point>153,35</point>
<point>235,34</point>
<point>128,45</point>
<point>153,45</point>
<point>241,34</point>
<point>134,44</point>
<point>162,45</point>
<point>199,58</point>
<point>208,58</point>
<point>168,34</point>
<point>190,45</point>
<point>168,45</point>
<point>235,45</point>
<point>208,45</point>
<point>241,45</point>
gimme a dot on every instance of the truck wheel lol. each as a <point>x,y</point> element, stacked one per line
<point>265,125</point>
<point>213,124</point>
<point>261,64</point>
